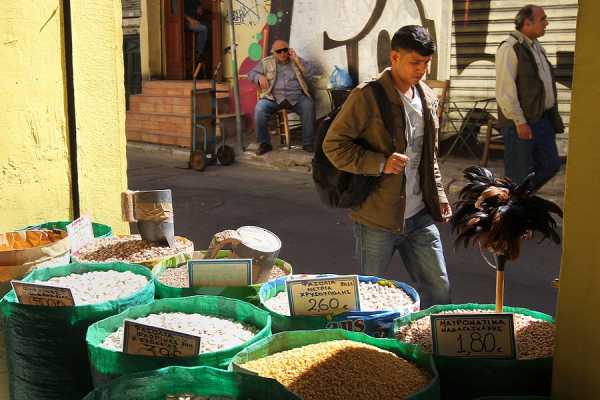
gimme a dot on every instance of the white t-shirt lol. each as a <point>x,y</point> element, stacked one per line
<point>414,132</point>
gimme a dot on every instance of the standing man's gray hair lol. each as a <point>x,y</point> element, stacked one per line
<point>525,13</point>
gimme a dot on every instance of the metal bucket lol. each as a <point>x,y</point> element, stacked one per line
<point>259,244</point>
<point>153,210</point>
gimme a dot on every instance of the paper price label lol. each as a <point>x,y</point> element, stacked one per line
<point>80,233</point>
<point>474,335</point>
<point>322,296</point>
<point>220,273</point>
<point>43,295</point>
<point>146,340</point>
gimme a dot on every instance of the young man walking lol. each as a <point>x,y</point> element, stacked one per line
<point>399,214</point>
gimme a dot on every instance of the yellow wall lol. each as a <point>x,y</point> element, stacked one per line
<point>34,156</point>
<point>151,39</point>
<point>578,340</point>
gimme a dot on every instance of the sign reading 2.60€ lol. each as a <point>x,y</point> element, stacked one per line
<point>473,335</point>
<point>324,295</point>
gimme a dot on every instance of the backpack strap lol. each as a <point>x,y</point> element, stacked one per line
<point>384,107</point>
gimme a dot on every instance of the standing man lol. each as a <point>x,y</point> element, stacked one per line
<point>526,94</point>
<point>399,213</point>
<point>282,78</point>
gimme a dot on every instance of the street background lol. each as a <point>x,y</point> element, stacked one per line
<point>317,239</point>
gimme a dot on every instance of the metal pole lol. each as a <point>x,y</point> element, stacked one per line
<point>236,83</point>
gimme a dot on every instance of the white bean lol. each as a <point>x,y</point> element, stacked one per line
<point>215,333</point>
<point>99,286</point>
<point>373,297</point>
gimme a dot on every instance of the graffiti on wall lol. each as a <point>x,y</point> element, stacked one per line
<point>327,33</point>
<point>246,12</point>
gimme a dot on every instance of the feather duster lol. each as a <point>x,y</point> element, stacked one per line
<point>497,213</point>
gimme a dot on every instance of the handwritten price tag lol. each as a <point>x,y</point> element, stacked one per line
<point>80,233</point>
<point>42,295</point>
<point>146,340</point>
<point>321,296</point>
<point>220,273</point>
<point>474,335</point>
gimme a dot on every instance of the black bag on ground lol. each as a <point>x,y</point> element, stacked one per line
<point>340,189</point>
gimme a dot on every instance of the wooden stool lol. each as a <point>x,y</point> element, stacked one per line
<point>492,141</point>
<point>283,128</point>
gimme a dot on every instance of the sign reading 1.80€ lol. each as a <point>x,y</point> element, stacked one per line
<point>323,295</point>
<point>474,335</point>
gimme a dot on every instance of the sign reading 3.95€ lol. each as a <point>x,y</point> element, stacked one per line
<point>474,335</point>
<point>146,340</point>
<point>325,295</point>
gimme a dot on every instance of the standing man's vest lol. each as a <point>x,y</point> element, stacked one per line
<point>270,72</point>
<point>530,87</point>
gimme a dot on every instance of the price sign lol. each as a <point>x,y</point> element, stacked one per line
<point>42,295</point>
<point>321,296</point>
<point>80,233</point>
<point>474,335</point>
<point>220,273</point>
<point>146,340</point>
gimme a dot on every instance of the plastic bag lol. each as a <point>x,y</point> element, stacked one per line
<point>470,377</point>
<point>374,323</point>
<point>290,340</point>
<point>199,381</point>
<point>47,354</point>
<point>108,364</point>
<point>340,79</point>
<point>246,293</point>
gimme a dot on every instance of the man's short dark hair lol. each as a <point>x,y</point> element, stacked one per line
<point>413,38</point>
<point>525,13</point>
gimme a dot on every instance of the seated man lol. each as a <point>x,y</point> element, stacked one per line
<point>193,11</point>
<point>282,78</point>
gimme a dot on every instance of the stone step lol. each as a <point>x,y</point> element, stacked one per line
<point>169,104</point>
<point>160,104</point>
<point>136,135</point>
<point>180,88</point>
<point>167,124</point>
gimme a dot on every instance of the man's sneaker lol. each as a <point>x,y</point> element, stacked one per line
<point>263,148</point>
<point>308,148</point>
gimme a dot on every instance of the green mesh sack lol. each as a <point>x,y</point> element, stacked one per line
<point>47,354</point>
<point>488,377</point>
<point>100,230</point>
<point>108,364</point>
<point>289,340</point>
<point>246,293</point>
<point>198,381</point>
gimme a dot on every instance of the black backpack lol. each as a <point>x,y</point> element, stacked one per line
<point>340,189</point>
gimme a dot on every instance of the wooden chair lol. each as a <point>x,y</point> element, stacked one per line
<point>442,89</point>
<point>283,124</point>
<point>493,141</point>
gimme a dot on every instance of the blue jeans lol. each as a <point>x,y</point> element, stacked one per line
<point>420,248</point>
<point>539,154</point>
<point>265,109</point>
<point>201,38</point>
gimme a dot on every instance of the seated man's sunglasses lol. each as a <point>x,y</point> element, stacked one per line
<point>284,50</point>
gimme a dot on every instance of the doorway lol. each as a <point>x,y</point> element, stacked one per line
<point>193,38</point>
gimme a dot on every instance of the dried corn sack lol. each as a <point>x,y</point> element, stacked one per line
<point>342,369</point>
